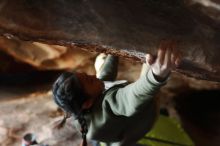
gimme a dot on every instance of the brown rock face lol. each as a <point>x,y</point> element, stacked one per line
<point>42,56</point>
<point>127,28</point>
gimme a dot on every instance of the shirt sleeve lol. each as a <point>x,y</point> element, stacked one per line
<point>128,100</point>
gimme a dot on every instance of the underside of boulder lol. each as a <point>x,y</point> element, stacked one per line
<point>125,28</point>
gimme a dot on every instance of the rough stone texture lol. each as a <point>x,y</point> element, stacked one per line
<point>44,57</point>
<point>126,28</point>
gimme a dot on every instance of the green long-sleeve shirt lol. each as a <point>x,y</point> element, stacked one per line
<point>125,112</point>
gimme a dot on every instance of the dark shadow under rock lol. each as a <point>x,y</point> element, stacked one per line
<point>199,112</point>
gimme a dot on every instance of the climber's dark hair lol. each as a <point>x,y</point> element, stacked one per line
<point>68,93</point>
<point>69,96</point>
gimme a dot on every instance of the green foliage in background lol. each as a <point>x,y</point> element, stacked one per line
<point>166,132</point>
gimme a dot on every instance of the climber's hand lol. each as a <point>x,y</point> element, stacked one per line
<point>168,58</point>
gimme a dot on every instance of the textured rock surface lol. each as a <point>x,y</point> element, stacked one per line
<point>125,28</point>
<point>44,57</point>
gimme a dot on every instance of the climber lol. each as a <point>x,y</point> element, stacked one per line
<point>115,112</point>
